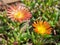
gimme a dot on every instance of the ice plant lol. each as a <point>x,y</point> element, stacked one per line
<point>18,12</point>
<point>41,27</point>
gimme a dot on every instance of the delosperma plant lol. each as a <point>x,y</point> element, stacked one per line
<point>30,22</point>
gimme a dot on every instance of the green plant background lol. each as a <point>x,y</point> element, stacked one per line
<point>46,10</point>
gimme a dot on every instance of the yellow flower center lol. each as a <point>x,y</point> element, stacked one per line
<point>41,29</point>
<point>18,15</point>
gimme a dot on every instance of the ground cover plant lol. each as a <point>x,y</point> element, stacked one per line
<point>30,22</point>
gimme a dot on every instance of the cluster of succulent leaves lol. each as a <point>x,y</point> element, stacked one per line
<point>46,10</point>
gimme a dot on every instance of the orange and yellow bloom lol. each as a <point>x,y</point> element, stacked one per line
<point>18,13</point>
<point>41,27</point>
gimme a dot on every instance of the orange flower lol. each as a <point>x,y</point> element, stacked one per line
<point>41,27</point>
<point>18,13</point>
